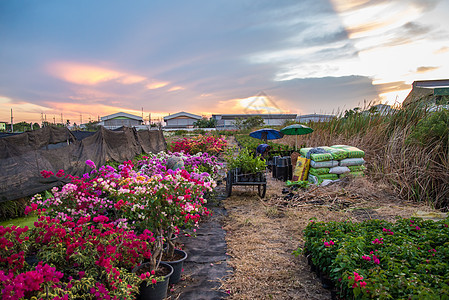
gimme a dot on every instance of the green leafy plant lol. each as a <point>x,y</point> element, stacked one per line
<point>245,161</point>
<point>432,129</point>
<point>382,260</point>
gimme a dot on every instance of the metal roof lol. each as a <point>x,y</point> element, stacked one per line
<point>121,114</point>
<point>440,83</point>
<point>182,114</point>
<point>263,116</point>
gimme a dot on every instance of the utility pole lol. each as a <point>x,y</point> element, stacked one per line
<point>81,119</point>
<point>62,121</point>
<point>12,126</point>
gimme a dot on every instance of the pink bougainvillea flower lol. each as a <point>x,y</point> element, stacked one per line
<point>60,173</point>
<point>47,174</point>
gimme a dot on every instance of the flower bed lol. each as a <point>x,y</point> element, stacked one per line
<point>204,164</point>
<point>92,231</point>
<point>200,143</point>
<point>408,259</point>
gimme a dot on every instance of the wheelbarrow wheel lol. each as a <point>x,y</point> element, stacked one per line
<point>262,189</point>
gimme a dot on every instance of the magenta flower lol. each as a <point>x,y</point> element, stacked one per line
<point>378,241</point>
<point>91,164</point>
<point>60,173</point>
<point>46,174</point>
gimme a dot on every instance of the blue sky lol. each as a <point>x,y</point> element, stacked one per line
<point>93,58</point>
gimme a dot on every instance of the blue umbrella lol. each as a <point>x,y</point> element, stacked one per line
<point>266,134</point>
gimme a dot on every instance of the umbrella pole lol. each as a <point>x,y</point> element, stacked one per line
<point>296,144</point>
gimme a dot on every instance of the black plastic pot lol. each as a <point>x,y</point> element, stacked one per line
<point>156,291</point>
<point>177,266</point>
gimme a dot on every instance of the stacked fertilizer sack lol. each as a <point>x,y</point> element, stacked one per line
<point>332,163</point>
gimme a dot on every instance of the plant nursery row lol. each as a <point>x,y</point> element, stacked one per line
<point>375,259</point>
<point>94,231</point>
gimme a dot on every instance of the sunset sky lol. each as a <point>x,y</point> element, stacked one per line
<point>85,59</point>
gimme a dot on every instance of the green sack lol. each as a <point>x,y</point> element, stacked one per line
<point>303,151</point>
<point>323,164</point>
<point>352,152</point>
<point>352,162</point>
<point>319,171</point>
<point>357,168</point>
<point>321,156</point>
<point>337,154</point>
<point>318,179</point>
<point>317,156</point>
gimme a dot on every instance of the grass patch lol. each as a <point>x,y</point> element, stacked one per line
<point>20,222</point>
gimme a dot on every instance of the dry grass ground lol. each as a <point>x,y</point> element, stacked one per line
<point>262,233</point>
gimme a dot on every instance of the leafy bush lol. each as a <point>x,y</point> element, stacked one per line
<point>377,259</point>
<point>246,161</point>
<point>181,132</point>
<point>432,129</point>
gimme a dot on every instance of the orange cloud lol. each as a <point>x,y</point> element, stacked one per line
<point>346,5</point>
<point>90,75</point>
<point>156,85</point>
<point>131,79</point>
<point>425,69</point>
<point>254,104</point>
<point>175,88</point>
<point>442,50</point>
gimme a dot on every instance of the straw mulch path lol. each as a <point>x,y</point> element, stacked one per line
<point>262,233</point>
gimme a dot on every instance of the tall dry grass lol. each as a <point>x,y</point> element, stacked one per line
<point>417,171</point>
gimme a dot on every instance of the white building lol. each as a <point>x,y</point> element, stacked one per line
<point>227,121</point>
<point>314,118</point>
<point>180,120</point>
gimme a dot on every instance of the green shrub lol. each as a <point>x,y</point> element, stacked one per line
<point>13,209</point>
<point>246,161</point>
<point>382,260</point>
<point>181,132</point>
<point>432,129</point>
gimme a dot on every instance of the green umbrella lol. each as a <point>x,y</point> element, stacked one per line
<point>296,129</point>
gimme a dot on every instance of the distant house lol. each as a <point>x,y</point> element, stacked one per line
<point>432,91</point>
<point>2,126</point>
<point>120,119</point>
<point>314,118</point>
<point>180,120</point>
<point>227,121</point>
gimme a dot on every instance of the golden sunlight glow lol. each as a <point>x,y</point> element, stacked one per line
<point>21,111</point>
<point>259,104</point>
<point>392,98</point>
<point>383,54</point>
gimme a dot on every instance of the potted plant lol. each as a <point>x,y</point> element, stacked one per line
<point>246,166</point>
<point>163,203</point>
